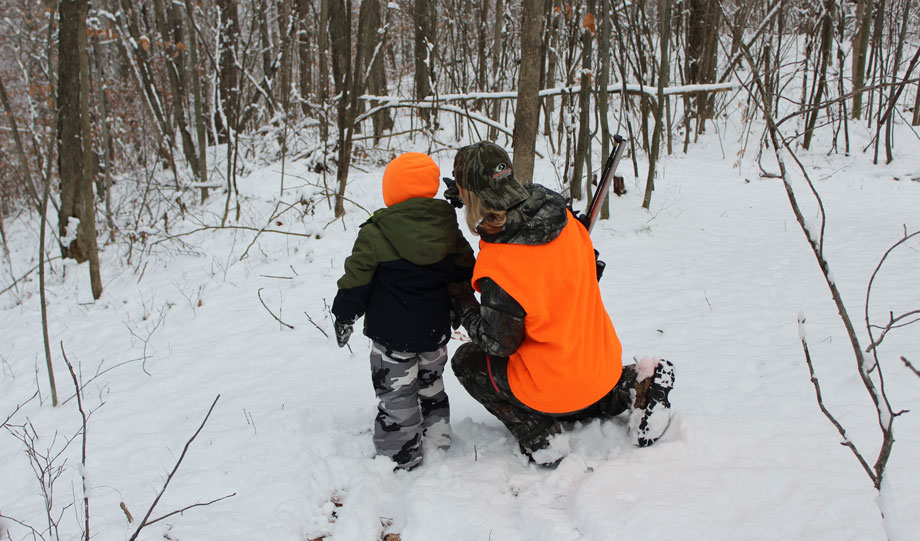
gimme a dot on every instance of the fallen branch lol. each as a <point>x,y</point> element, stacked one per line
<point>259,293</point>
<point>315,325</point>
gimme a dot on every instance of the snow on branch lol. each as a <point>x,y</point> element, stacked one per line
<point>630,88</point>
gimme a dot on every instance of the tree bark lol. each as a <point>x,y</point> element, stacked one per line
<point>527,112</point>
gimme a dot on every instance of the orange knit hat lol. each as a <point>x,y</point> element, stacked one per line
<point>409,175</point>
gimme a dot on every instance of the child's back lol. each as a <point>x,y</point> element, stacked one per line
<point>397,276</point>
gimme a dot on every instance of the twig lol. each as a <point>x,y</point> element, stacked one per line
<point>173,472</point>
<point>908,365</point>
<point>79,392</point>
<point>843,433</point>
<point>18,407</point>
<point>315,325</point>
<point>184,509</point>
<point>259,293</point>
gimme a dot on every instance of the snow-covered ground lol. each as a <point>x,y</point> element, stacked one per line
<point>712,277</point>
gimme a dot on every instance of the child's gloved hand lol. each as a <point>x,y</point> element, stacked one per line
<point>452,193</point>
<point>343,332</point>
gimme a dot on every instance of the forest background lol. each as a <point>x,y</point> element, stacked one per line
<point>123,118</point>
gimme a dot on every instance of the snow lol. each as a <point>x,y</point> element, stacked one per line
<point>716,277</point>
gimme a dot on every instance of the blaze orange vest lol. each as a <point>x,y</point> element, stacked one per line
<point>570,356</point>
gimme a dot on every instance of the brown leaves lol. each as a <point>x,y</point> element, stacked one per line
<point>590,23</point>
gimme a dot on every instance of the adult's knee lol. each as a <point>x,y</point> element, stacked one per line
<point>467,361</point>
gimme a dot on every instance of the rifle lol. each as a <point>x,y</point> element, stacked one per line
<point>610,169</point>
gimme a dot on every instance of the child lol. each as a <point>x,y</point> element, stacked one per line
<point>397,276</point>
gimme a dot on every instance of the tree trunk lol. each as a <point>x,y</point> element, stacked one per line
<point>373,66</point>
<point>229,75</point>
<point>552,18</point>
<point>340,38</point>
<point>603,98</point>
<point>172,35</point>
<point>702,48</point>
<point>497,67</point>
<point>916,120</point>
<point>527,113</point>
<point>422,22</point>
<point>664,33</point>
<point>896,88</point>
<point>864,10</point>
<point>20,152</point>
<point>285,25</point>
<point>323,75</point>
<point>75,143</point>
<point>827,37</point>
<point>306,26</point>
<point>582,146</point>
<point>202,171</point>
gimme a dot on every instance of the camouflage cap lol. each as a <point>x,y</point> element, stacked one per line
<point>484,168</point>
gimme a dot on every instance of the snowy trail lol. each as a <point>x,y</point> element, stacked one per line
<point>712,278</point>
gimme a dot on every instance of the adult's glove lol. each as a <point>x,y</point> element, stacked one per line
<point>343,332</point>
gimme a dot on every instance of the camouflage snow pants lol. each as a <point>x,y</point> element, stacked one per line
<point>413,404</point>
<point>485,377</point>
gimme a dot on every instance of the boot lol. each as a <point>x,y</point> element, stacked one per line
<point>650,412</point>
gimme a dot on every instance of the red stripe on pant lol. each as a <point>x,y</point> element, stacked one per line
<point>491,379</point>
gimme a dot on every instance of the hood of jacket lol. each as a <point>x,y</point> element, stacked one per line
<point>537,220</point>
<point>421,230</point>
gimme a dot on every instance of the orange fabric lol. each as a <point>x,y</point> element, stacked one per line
<point>409,175</point>
<point>571,355</point>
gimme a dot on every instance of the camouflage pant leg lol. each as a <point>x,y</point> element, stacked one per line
<point>432,398</point>
<point>487,381</point>
<point>398,426</point>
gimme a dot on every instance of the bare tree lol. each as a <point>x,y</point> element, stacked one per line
<point>75,142</point>
<point>664,34</point>
<point>527,113</point>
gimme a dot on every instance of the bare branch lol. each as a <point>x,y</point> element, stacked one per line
<point>315,325</point>
<point>169,478</point>
<point>259,293</point>
<point>910,366</point>
<point>79,391</point>
<point>184,509</point>
<point>843,433</point>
